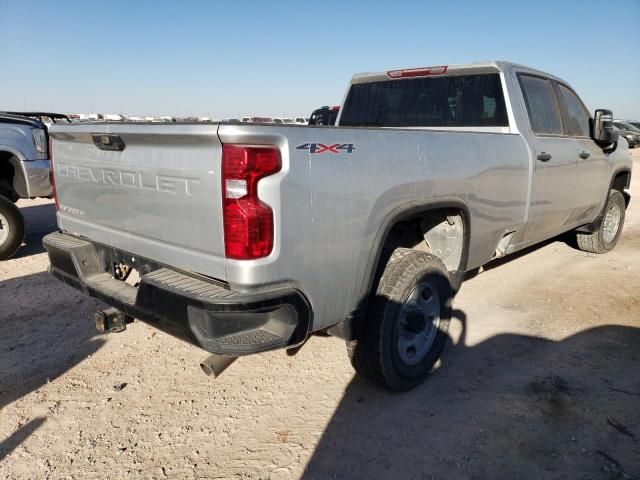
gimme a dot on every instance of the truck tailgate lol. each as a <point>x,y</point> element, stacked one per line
<point>152,190</point>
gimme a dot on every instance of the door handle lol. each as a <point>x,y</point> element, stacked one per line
<point>584,154</point>
<point>544,157</point>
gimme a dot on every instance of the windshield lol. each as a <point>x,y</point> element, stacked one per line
<point>452,101</point>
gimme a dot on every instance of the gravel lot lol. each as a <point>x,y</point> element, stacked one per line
<point>541,380</point>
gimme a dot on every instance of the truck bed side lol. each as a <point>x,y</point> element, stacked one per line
<point>161,197</point>
<point>335,205</point>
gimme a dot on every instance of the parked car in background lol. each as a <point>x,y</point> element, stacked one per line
<point>269,233</point>
<point>635,123</point>
<point>24,170</point>
<point>629,132</point>
<point>86,117</point>
<point>324,116</point>
<point>113,117</point>
<point>284,121</point>
<point>261,120</point>
<point>257,120</point>
<point>301,121</point>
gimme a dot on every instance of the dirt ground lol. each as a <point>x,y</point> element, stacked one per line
<point>541,380</point>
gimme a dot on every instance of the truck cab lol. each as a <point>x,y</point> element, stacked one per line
<point>324,116</point>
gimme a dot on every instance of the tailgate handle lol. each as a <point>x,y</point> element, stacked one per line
<point>109,142</point>
<point>544,157</point>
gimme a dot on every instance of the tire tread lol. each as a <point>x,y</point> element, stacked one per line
<point>367,354</point>
<point>594,242</point>
<point>16,237</point>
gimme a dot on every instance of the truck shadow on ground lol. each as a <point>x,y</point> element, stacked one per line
<point>513,406</point>
<point>39,221</point>
<point>9,444</point>
<point>38,340</point>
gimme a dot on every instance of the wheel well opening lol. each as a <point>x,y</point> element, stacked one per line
<point>439,232</point>
<point>442,232</point>
<point>7,176</point>
<point>622,181</point>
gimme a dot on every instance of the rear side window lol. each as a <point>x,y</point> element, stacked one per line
<point>541,105</point>
<point>577,115</point>
<point>450,101</point>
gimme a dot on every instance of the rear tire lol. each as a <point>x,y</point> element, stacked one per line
<point>606,237</point>
<point>11,228</point>
<point>407,321</point>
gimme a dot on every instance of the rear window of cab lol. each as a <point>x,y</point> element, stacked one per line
<point>443,101</point>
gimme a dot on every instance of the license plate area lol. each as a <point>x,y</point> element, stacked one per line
<point>123,265</point>
<point>126,273</point>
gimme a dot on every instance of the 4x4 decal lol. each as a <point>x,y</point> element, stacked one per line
<point>322,148</point>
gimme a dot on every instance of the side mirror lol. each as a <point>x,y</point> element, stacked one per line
<point>603,132</point>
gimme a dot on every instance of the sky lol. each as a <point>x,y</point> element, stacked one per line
<point>285,58</point>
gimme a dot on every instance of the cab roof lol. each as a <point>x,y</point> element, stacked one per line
<point>493,66</point>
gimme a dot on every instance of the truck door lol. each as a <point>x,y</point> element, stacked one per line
<point>593,163</point>
<point>553,195</point>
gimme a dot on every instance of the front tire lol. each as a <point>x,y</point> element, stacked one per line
<point>606,237</point>
<point>11,228</point>
<point>407,322</point>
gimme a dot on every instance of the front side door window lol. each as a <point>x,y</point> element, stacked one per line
<point>593,165</point>
<point>576,115</point>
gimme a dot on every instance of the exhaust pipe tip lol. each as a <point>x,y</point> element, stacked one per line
<point>215,364</point>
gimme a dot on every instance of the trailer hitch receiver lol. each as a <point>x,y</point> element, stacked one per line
<point>112,320</point>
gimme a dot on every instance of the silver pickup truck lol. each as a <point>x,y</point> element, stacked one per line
<point>24,171</point>
<point>247,238</point>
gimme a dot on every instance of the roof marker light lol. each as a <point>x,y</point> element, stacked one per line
<point>417,72</point>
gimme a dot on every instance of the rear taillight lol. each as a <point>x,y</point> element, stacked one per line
<point>51,175</point>
<point>248,222</point>
<point>417,72</point>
